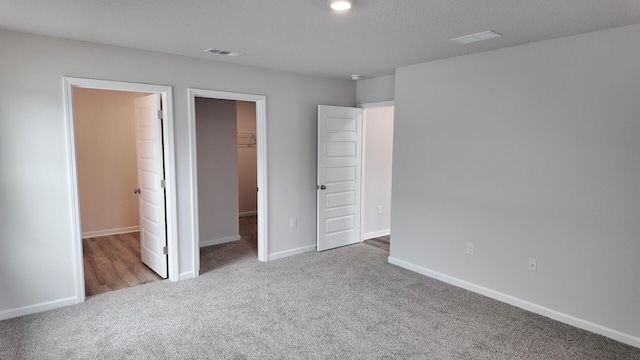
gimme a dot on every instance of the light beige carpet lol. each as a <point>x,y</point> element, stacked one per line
<point>347,303</point>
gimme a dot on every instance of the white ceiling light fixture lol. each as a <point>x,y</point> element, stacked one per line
<point>485,35</point>
<point>340,5</point>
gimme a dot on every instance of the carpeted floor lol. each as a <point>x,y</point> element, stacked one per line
<point>213,257</point>
<point>347,303</point>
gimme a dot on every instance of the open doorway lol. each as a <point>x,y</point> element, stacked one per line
<point>114,128</point>
<point>229,171</point>
<point>109,189</point>
<point>227,181</point>
<point>377,170</point>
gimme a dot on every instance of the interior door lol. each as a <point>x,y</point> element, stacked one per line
<point>151,194</point>
<point>339,176</point>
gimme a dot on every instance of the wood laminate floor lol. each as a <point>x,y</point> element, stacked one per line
<point>113,262</point>
<point>381,242</point>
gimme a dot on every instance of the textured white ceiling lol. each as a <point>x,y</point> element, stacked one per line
<point>305,36</point>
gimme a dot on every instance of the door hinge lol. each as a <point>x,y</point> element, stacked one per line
<point>165,250</point>
<point>163,183</point>
<point>160,114</point>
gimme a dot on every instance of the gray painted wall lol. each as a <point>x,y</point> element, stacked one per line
<point>530,151</point>
<point>375,90</point>
<point>217,155</point>
<point>36,222</point>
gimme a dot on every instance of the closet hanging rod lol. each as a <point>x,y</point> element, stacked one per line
<point>251,137</point>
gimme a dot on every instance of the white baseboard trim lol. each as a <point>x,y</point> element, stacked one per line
<point>248,213</point>
<point>375,234</point>
<point>107,232</point>
<point>36,308</point>
<point>185,276</point>
<point>523,304</point>
<point>286,253</point>
<point>218,241</point>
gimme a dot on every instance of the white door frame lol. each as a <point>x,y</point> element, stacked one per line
<point>261,135</point>
<point>365,106</point>
<point>169,164</point>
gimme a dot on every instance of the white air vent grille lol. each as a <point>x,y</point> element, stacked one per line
<point>223,52</point>
<point>485,35</point>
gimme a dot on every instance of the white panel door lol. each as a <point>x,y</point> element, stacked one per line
<point>153,234</point>
<point>339,176</point>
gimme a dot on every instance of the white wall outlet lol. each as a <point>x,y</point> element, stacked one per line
<point>533,264</point>
<point>379,209</point>
<point>470,249</point>
<point>293,223</point>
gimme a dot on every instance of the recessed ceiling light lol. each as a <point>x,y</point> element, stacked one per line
<point>340,5</point>
<point>223,52</point>
<point>356,77</point>
<point>467,39</point>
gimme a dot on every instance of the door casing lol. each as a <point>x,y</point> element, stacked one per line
<point>69,83</point>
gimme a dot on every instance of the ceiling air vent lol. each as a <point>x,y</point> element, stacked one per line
<point>223,52</point>
<point>485,35</point>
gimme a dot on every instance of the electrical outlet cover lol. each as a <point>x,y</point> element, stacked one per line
<point>470,248</point>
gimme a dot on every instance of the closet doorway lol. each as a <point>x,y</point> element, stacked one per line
<point>229,175</point>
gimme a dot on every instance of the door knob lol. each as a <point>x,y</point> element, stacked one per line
<point>136,191</point>
<point>322,187</point>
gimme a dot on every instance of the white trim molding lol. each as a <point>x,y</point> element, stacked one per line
<point>296,251</point>
<point>522,304</point>
<point>218,241</point>
<point>363,171</point>
<point>263,189</point>
<point>36,308</point>
<point>375,234</point>
<point>186,275</point>
<point>107,232</point>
